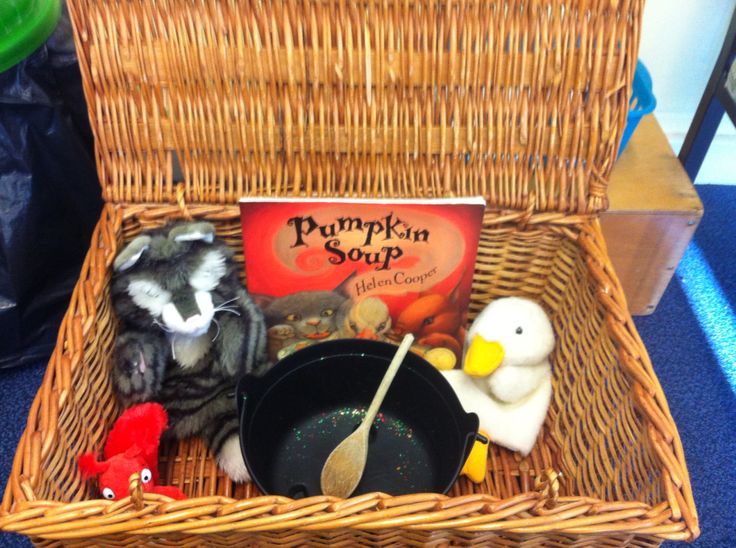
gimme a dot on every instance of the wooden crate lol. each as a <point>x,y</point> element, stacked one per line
<point>652,216</point>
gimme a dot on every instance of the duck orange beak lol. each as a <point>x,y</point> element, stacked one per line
<point>367,334</point>
<point>483,357</point>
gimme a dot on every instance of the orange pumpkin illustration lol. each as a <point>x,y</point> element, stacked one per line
<point>434,319</point>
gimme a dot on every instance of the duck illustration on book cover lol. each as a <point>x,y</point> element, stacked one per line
<point>326,269</point>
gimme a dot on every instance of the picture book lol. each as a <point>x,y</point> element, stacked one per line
<point>325,269</point>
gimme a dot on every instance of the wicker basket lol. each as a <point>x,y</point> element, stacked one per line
<point>195,103</point>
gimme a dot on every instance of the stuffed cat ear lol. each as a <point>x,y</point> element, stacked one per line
<point>132,252</point>
<point>193,232</point>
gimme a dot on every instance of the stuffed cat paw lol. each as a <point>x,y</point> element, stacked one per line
<point>230,459</point>
<point>138,367</point>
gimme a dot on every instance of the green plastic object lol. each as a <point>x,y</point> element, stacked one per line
<point>25,25</point>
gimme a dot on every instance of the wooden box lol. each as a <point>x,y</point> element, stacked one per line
<point>652,216</point>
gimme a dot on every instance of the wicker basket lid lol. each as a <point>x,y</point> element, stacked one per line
<point>522,102</point>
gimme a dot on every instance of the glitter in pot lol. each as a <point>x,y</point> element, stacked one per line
<point>410,469</point>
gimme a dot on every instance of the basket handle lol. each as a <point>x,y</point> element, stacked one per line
<point>548,485</point>
<point>135,488</point>
<point>181,202</point>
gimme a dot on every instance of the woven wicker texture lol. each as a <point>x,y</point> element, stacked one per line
<point>609,431</point>
<point>523,102</point>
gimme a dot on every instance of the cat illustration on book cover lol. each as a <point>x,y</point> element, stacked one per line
<point>303,318</point>
<point>306,317</point>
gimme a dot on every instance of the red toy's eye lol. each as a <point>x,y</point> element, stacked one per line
<point>146,475</point>
<point>108,493</point>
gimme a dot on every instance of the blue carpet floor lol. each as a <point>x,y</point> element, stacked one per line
<point>691,342</point>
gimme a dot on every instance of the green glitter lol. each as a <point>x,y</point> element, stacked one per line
<point>408,469</point>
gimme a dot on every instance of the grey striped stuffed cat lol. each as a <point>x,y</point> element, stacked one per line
<point>188,331</point>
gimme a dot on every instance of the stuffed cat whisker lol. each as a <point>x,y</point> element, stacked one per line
<point>179,277</point>
<point>224,303</point>
<point>162,326</point>
<point>218,329</point>
<point>222,307</point>
<point>173,350</point>
<point>226,309</point>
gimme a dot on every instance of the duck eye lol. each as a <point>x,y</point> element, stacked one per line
<point>108,493</point>
<point>146,475</point>
<point>519,330</point>
<point>293,317</point>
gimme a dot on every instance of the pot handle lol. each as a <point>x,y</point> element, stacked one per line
<point>471,423</point>
<point>471,432</point>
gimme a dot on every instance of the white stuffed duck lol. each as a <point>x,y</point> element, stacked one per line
<point>506,377</point>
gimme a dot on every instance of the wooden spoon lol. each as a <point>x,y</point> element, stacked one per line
<point>344,467</point>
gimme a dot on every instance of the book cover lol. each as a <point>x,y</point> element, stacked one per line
<point>326,269</point>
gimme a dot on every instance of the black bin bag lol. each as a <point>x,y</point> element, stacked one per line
<point>49,195</point>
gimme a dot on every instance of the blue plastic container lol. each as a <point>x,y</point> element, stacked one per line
<point>642,102</point>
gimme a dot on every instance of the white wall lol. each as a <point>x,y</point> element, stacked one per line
<point>680,42</point>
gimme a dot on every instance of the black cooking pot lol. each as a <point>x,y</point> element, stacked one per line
<point>295,415</point>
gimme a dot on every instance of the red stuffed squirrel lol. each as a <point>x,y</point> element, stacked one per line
<point>132,446</point>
